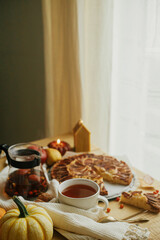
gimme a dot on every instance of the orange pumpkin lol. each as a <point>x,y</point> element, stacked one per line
<point>2,212</point>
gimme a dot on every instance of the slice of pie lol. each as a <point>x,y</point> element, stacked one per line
<point>147,201</point>
<point>95,167</point>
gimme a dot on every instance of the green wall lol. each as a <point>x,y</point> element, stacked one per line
<point>21,71</point>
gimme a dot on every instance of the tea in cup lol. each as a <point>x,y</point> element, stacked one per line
<point>81,193</point>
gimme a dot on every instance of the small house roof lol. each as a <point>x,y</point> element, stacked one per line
<point>78,126</point>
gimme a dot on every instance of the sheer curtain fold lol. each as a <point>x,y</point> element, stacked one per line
<point>95,39</point>
<point>63,86</point>
<point>135,102</point>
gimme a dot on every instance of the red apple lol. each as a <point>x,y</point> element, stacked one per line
<point>43,156</point>
<point>43,153</point>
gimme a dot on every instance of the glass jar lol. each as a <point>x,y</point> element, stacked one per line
<point>26,177</point>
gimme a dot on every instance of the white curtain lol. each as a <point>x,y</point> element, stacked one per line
<point>119,56</point>
<point>120,72</point>
<point>135,83</point>
<point>95,52</point>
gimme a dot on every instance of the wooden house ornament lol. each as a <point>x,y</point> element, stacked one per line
<point>81,137</point>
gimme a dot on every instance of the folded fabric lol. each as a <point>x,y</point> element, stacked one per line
<point>75,223</point>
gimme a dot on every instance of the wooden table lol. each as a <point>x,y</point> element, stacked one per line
<point>128,211</point>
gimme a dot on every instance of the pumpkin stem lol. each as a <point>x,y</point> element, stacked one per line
<point>21,207</point>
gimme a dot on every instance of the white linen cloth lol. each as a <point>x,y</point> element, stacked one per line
<point>74,223</point>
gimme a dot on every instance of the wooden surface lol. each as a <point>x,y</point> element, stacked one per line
<point>128,211</point>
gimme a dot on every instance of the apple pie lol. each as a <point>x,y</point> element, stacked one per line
<point>147,201</point>
<point>95,167</point>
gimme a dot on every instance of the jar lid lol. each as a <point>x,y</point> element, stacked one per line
<point>24,158</point>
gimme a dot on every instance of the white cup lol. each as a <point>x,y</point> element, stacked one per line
<point>85,202</point>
